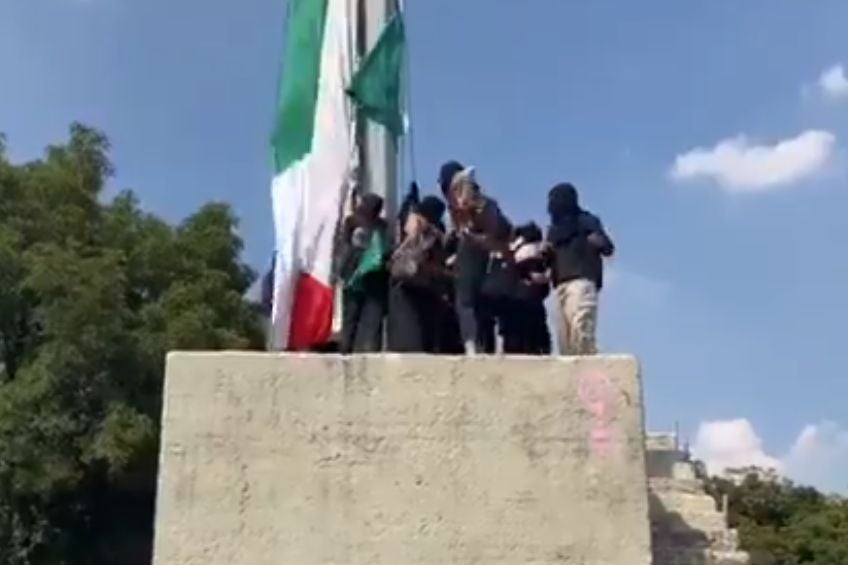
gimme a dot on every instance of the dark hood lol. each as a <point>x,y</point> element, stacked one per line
<point>370,207</point>
<point>447,173</point>
<point>432,209</point>
<point>564,208</point>
<point>563,202</point>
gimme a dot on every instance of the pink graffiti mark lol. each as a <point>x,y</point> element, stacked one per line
<point>597,394</point>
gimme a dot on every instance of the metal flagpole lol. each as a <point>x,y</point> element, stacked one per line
<point>379,150</point>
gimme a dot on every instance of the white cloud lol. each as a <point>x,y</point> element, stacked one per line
<point>834,82</point>
<point>731,444</point>
<point>737,165</point>
<point>820,457</point>
<point>817,457</point>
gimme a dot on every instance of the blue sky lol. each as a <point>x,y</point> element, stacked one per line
<point>730,280</point>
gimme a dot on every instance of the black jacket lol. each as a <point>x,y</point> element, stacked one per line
<point>573,256</point>
<point>472,256</point>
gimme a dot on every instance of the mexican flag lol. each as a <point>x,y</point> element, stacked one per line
<point>322,89</point>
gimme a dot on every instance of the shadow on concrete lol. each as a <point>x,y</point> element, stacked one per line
<point>660,462</point>
<point>673,540</point>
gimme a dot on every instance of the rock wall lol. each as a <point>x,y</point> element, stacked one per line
<point>383,460</point>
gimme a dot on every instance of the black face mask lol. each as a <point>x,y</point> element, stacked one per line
<point>563,202</point>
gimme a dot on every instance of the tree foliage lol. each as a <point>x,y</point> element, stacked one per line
<point>782,523</point>
<point>93,294</point>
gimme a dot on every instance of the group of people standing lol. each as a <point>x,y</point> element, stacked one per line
<point>456,273</point>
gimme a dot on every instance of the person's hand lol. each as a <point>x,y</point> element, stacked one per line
<point>414,225</point>
<point>360,238</point>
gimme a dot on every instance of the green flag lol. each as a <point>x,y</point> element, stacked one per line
<point>372,260</point>
<point>376,86</point>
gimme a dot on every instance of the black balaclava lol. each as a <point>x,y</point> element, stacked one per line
<point>431,209</point>
<point>563,202</point>
<point>446,174</point>
<point>370,207</point>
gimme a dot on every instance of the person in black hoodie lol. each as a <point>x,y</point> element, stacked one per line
<point>525,327</point>
<point>442,317</point>
<point>418,281</point>
<point>577,243</point>
<point>365,295</point>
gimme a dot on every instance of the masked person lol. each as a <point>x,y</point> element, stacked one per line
<point>365,249</point>
<point>577,244</point>
<point>418,281</point>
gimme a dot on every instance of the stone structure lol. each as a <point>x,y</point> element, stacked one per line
<point>686,526</point>
<point>383,460</point>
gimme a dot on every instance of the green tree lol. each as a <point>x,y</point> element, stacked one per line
<point>782,523</point>
<point>93,295</point>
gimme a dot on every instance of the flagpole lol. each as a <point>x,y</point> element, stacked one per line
<point>379,149</point>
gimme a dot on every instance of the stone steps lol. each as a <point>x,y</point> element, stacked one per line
<point>695,514</point>
<point>685,486</point>
<point>693,503</point>
<point>686,526</point>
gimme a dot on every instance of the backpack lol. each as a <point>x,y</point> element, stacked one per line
<point>410,256</point>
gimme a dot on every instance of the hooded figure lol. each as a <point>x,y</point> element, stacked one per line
<point>446,175</point>
<point>432,209</point>
<point>370,207</point>
<point>418,282</point>
<point>565,212</point>
<point>578,244</point>
<point>363,271</point>
<point>414,213</point>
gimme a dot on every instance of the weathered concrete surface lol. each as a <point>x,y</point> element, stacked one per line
<point>388,460</point>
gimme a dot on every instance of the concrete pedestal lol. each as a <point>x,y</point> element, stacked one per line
<point>390,460</point>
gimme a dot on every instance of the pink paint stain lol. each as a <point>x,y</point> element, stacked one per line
<point>598,394</point>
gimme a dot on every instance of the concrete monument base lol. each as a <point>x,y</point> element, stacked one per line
<point>401,460</point>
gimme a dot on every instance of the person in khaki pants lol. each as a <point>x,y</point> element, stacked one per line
<point>577,245</point>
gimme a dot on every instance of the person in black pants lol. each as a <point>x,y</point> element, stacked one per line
<point>365,294</point>
<point>438,330</point>
<point>525,323</point>
<point>418,282</point>
<point>480,229</point>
